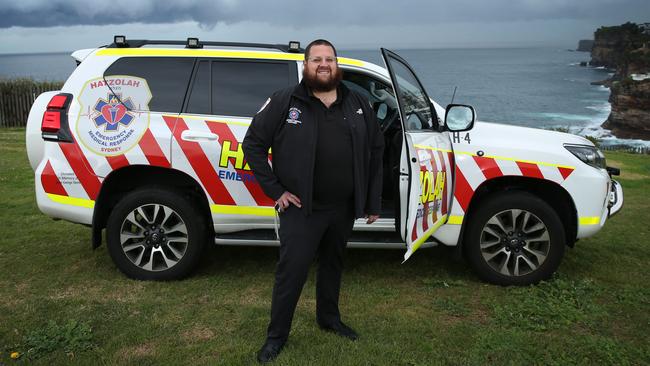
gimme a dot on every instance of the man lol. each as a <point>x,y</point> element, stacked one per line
<point>326,170</point>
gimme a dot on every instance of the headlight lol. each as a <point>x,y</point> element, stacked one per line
<point>588,154</point>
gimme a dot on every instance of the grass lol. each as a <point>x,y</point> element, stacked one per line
<point>69,304</point>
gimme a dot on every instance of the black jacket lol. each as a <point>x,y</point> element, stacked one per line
<point>292,139</point>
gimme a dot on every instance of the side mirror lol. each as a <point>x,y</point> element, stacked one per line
<point>459,117</point>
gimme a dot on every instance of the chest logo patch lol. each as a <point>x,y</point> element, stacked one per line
<point>294,116</point>
<point>359,111</point>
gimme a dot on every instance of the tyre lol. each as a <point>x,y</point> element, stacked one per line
<point>514,238</point>
<point>155,234</point>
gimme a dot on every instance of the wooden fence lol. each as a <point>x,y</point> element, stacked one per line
<point>17,97</point>
<point>629,149</point>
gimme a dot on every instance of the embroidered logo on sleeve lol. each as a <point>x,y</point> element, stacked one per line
<point>294,115</point>
<point>359,111</point>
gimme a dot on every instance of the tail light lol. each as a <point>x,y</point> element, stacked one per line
<point>54,126</point>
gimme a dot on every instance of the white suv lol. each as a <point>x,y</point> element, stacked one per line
<point>144,141</point>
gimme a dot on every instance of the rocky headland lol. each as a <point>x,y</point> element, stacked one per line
<point>626,50</point>
<point>585,45</point>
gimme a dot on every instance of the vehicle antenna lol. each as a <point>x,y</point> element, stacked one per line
<point>453,96</point>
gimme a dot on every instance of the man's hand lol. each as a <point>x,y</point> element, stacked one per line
<point>371,218</point>
<point>286,199</point>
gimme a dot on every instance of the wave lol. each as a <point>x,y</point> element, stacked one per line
<point>603,108</point>
<point>561,117</point>
<point>593,126</point>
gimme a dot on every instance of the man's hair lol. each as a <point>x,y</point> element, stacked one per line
<point>319,42</point>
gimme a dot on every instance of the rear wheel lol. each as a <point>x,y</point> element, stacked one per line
<point>514,238</point>
<point>155,234</point>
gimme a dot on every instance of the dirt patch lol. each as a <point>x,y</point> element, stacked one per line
<point>139,351</point>
<point>197,334</point>
<point>126,293</point>
<point>252,295</point>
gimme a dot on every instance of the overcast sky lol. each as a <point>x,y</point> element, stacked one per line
<point>58,25</point>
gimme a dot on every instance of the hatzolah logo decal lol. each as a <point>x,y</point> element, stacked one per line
<point>110,113</point>
<point>113,113</point>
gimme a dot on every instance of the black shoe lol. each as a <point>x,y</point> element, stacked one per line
<point>341,330</point>
<point>268,352</point>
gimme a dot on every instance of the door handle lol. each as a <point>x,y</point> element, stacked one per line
<point>189,135</point>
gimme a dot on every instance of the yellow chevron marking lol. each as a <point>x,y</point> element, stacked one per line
<point>594,220</point>
<point>209,119</point>
<point>416,244</point>
<point>455,220</point>
<point>73,201</point>
<point>214,53</point>
<point>516,160</point>
<point>431,148</point>
<point>243,210</point>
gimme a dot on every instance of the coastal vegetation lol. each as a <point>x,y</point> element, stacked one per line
<point>17,97</point>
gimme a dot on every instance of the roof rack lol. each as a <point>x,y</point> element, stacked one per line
<point>121,42</point>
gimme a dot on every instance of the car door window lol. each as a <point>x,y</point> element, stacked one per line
<point>418,113</point>
<point>199,98</point>
<point>239,88</point>
<point>379,94</point>
<point>167,78</point>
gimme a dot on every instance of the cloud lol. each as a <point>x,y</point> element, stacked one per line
<point>297,13</point>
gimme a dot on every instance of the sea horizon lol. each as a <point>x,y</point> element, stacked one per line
<point>543,87</point>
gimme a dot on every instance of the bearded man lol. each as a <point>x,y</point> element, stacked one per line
<point>326,171</point>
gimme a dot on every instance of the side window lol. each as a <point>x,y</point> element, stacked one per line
<point>239,88</point>
<point>379,94</point>
<point>199,98</point>
<point>167,78</point>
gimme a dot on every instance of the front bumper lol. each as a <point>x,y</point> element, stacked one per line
<point>615,198</point>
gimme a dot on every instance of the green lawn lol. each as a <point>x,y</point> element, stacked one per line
<point>63,303</point>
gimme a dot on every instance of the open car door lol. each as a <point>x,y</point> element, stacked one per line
<point>426,169</point>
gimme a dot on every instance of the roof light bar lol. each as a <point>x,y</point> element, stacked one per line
<point>120,41</point>
<point>193,43</point>
<point>294,46</point>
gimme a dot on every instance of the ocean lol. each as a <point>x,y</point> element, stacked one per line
<point>533,87</point>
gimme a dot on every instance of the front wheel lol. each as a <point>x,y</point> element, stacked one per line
<point>155,234</point>
<point>514,238</point>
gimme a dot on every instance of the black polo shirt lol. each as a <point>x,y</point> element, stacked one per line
<point>333,166</point>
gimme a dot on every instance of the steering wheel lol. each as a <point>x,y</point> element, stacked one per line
<point>390,119</point>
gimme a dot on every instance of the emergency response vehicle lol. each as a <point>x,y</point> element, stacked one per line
<point>144,142</point>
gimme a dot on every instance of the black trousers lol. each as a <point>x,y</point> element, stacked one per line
<point>323,234</point>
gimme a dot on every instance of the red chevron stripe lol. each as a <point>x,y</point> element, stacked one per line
<point>152,150</point>
<point>81,168</point>
<point>425,208</point>
<point>530,170</point>
<point>117,162</point>
<point>50,182</point>
<point>464,191</point>
<point>445,204</point>
<point>489,167</point>
<point>225,134</point>
<point>566,172</point>
<point>200,163</point>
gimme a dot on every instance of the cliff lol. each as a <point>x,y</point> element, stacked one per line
<point>630,116</point>
<point>613,45</point>
<point>626,49</point>
<point>585,45</point>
